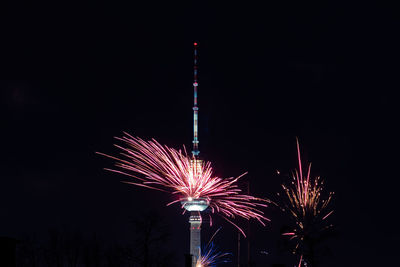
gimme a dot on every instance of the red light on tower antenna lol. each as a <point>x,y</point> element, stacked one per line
<point>195,44</point>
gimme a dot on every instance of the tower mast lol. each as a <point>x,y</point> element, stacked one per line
<point>195,151</point>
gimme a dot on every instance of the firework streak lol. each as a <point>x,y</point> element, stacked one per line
<point>159,167</point>
<point>305,205</point>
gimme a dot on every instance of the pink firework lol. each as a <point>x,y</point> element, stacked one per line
<point>159,167</point>
<point>306,205</point>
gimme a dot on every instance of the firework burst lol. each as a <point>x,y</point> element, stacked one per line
<point>306,206</point>
<point>159,167</point>
<point>210,255</point>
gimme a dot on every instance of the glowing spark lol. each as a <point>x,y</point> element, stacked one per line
<point>288,234</point>
<point>159,167</point>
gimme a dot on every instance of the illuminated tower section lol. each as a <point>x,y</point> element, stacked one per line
<point>195,205</point>
<point>195,162</point>
<point>195,151</point>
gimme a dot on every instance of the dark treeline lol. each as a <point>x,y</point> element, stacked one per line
<point>149,244</point>
<point>149,247</point>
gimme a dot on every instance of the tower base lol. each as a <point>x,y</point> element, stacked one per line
<point>195,238</point>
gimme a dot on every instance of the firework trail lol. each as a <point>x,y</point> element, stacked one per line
<point>159,167</point>
<point>211,256</point>
<point>306,206</point>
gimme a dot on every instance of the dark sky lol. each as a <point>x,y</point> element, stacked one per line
<point>75,74</point>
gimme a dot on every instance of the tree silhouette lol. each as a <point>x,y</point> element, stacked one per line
<point>150,245</point>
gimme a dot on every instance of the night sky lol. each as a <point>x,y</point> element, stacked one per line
<point>75,74</point>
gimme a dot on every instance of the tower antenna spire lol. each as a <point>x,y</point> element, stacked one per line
<point>195,151</point>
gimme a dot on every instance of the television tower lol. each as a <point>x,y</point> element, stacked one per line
<point>197,205</point>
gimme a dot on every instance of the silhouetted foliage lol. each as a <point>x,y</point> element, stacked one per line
<point>148,247</point>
